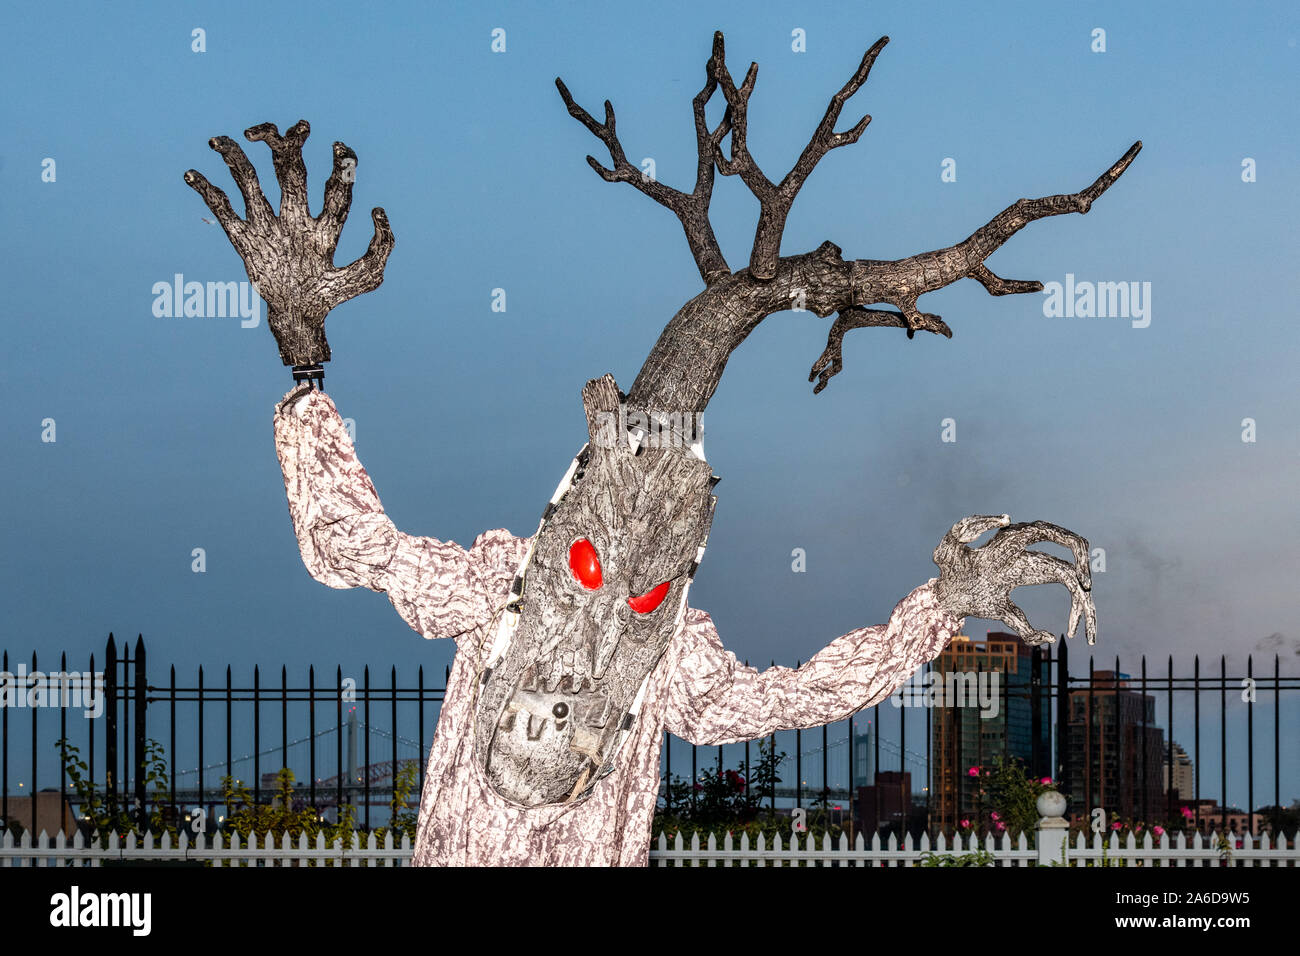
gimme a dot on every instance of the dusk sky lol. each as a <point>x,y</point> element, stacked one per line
<point>1128,430</point>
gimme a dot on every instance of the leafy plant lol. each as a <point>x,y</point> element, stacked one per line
<point>104,817</point>
<point>719,796</point>
<point>978,858</point>
<point>722,802</point>
<point>1013,794</point>
<point>283,815</point>
<point>404,819</point>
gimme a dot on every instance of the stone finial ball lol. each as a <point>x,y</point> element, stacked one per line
<point>1051,803</point>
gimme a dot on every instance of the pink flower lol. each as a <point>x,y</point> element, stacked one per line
<point>965,824</point>
<point>1046,781</point>
<point>1000,825</point>
<point>994,815</point>
<point>1116,826</point>
<point>973,772</point>
<point>1187,813</point>
<point>1158,830</point>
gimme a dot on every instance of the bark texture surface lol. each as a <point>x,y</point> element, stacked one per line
<point>554,707</point>
<point>683,369</point>
<point>697,690</point>
<point>290,257</point>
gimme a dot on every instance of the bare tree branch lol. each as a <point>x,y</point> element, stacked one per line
<point>683,369</point>
<point>775,200</point>
<point>831,361</point>
<point>902,281</point>
<point>692,208</point>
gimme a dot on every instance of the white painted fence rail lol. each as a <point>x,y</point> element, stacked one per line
<point>220,850</point>
<point>1178,850</point>
<point>829,851</point>
<point>230,850</point>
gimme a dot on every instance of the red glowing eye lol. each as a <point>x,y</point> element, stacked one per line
<point>585,564</point>
<point>650,600</point>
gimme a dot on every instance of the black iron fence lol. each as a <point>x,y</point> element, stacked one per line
<point>1100,736</point>
<point>116,744</point>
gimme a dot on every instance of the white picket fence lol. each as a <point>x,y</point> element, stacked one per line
<point>828,851</point>
<point>361,850</point>
<point>1176,850</point>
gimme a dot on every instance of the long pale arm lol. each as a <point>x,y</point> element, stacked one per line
<point>714,699</point>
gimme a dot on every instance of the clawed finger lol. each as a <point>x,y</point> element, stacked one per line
<point>366,273</point>
<point>338,194</point>
<point>381,244</point>
<point>290,171</point>
<point>267,133</point>
<point>1026,533</point>
<point>1081,605</point>
<point>217,201</point>
<point>825,368</point>
<point>245,177</point>
<point>968,529</point>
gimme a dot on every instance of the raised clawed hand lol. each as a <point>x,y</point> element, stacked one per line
<point>290,257</point>
<point>977,582</point>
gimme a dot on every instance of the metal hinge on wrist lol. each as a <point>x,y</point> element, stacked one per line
<point>314,375</point>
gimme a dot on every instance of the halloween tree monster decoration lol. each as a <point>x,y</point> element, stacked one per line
<point>576,646</point>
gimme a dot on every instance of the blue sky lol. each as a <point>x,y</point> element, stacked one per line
<point>466,417</point>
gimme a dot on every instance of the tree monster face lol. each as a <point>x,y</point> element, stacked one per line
<point>603,592</point>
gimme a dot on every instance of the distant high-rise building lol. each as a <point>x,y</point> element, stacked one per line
<point>1116,753</point>
<point>864,757</point>
<point>885,804</point>
<point>1184,781</point>
<point>967,732</point>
